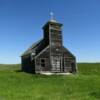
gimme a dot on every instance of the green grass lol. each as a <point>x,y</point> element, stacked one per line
<point>16,85</point>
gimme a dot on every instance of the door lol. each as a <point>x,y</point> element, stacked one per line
<point>56,63</point>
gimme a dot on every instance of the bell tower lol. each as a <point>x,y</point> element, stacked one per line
<point>53,37</point>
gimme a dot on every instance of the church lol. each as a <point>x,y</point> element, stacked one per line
<point>49,54</point>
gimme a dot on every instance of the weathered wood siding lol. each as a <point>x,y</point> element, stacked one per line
<point>69,61</point>
<point>44,55</point>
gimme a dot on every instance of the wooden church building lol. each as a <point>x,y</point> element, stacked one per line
<point>48,54</point>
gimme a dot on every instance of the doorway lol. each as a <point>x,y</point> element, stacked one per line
<point>56,63</point>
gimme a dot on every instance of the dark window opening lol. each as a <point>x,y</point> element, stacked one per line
<point>42,62</point>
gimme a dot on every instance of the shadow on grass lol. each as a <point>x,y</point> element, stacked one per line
<point>95,94</point>
<point>18,71</point>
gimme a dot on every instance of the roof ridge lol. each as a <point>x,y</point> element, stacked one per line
<point>32,47</point>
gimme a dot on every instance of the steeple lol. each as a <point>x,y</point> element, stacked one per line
<point>51,21</point>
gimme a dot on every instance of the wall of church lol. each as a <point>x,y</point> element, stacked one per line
<point>28,65</point>
<point>69,63</point>
<point>42,62</point>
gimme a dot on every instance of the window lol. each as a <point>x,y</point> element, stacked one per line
<point>42,62</point>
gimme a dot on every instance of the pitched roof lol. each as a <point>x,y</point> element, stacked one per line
<point>67,51</point>
<point>32,48</point>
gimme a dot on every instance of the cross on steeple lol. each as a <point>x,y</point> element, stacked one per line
<point>52,19</point>
<point>52,15</point>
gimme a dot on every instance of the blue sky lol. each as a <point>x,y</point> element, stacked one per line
<point>21,24</point>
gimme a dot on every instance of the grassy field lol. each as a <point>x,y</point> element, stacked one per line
<point>17,85</point>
